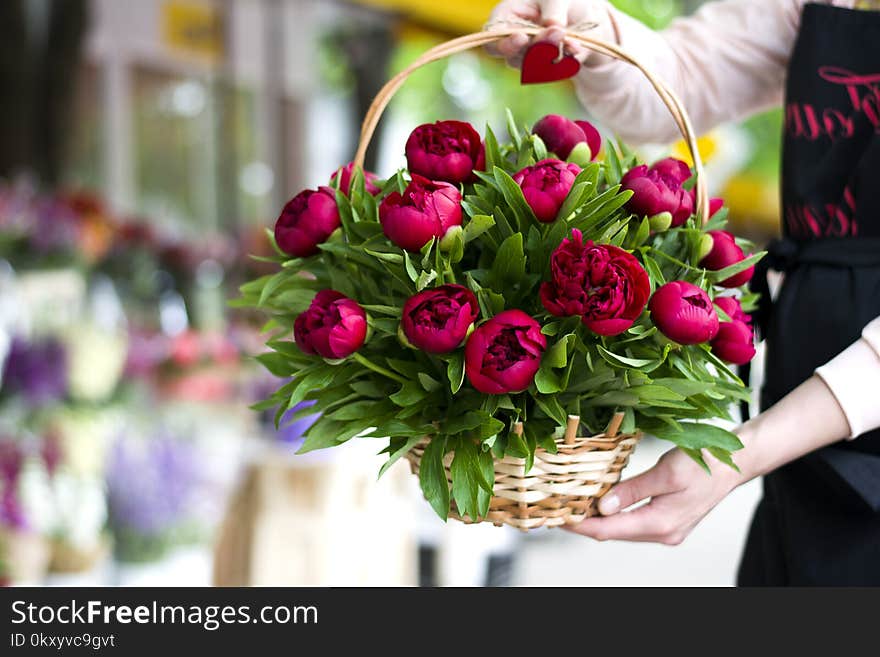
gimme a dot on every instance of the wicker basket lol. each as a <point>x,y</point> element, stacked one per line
<point>562,488</point>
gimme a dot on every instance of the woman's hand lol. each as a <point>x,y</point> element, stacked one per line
<point>681,494</point>
<point>555,15</point>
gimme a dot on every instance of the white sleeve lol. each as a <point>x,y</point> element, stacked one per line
<point>854,379</point>
<point>725,62</point>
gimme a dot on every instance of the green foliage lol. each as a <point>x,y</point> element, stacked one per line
<point>401,395</point>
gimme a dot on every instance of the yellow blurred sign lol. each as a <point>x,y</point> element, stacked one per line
<point>458,16</point>
<point>193,28</point>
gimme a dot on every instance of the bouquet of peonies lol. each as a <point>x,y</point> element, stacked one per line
<point>471,306</point>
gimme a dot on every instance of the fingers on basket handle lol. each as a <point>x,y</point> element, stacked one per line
<point>614,425</point>
<point>571,429</point>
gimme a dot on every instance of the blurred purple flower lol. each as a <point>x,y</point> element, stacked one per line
<point>292,432</point>
<point>152,484</point>
<point>36,370</point>
<point>11,463</point>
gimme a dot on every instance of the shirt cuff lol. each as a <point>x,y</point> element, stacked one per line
<point>854,379</point>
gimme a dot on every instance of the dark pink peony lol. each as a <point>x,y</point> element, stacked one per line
<point>307,220</point>
<point>437,320</point>
<point>684,313</point>
<point>725,252</point>
<point>734,343</point>
<point>504,354</point>
<point>446,150</point>
<point>345,181</point>
<point>732,307</point>
<point>603,284</point>
<point>659,189</point>
<point>545,186</point>
<point>334,326</point>
<point>424,211</point>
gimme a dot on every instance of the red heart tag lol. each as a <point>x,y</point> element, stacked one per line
<point>543,64</point>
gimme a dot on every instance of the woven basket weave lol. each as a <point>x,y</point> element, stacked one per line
<point>560,489</point>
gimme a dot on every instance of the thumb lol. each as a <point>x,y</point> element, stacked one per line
<point>641,487</point>
<point>555,12</point>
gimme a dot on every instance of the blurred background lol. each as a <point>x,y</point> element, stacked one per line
<point>144,148</point>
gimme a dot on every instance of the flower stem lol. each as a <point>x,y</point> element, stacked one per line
<point>370,365</point>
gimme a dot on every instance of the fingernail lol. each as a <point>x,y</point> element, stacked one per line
<point>609,504</point>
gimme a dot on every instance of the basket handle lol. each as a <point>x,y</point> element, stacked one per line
<point>478,39</point>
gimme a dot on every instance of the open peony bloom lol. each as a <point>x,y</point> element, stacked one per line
<point>424,211</point>
<point>602,283</point>
<point>562,135</point>
<point>345,180</point>
<point>446,150</point>
<point>437,320</point>
<point>659,189</point>
<point>735,341</point>
<point>307,220</point>
<point>504,354</point>
<point>684,313</point>
<point>725,253</point>
<point>334,326</point>
<point>545,186</point>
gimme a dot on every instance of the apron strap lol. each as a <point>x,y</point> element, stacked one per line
<point>784,255</point>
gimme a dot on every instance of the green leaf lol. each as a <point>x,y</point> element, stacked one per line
<point>493,153</point>
<point>432,477</point>
<point>425,279</point>
<point>614,170</point>
<point>464,422</point>
<point>733,270</point>
<point>697,456</point>
<point>645,364</point>
<point>405,446</point>
<point>455,372</point>
<point>469,486</point>
<point>557,355</point>
<point>513,131</point>
<point>550,405</point>
<point>410,268</point>
<point>478,225</point>
<point>547,381</point>
<point>539,148</point>
<point>276,364</point>
<point>513,194</point>
<point>395,258</point>
<point>428,383</point>
<point>697,435</point>
<point>683,386</point>
<point>509,267</point>
<point>652,394</point>
<point>723,456</point>
<point>392,311</point>
<point>409,393</point>
<point>654,271</point>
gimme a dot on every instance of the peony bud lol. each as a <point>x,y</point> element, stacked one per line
<point>684,313</point>
<point>448,240</point>
<point>661,222</point>
<point>580,154</point>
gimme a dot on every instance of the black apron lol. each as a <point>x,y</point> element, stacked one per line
<point>819,520</point>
